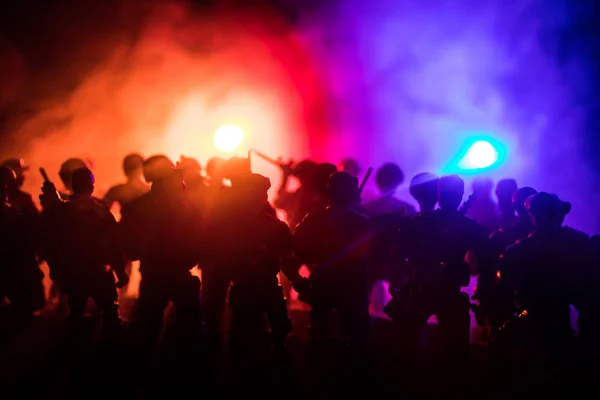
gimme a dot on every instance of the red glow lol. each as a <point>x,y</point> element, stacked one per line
<point>169,95</point>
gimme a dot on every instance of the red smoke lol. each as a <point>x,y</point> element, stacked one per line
<point>189,72</point>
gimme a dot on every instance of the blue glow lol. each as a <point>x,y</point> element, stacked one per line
<point>478,154</point>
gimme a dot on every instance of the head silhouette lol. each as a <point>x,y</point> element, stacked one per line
<point>18,166</point>
<point>83,182</point>
<point>424,189</point>
<point>548,211</point>
<point>157,168</point>
<point>67,169</point>
<point>350,165</point>
<point>8,179</point>
<point>304,172</point>
<point>236,169</point>
<point>214,169</point>
<point>483,187</point>
<point>321,175</point>
<point>133,166</point>
<point>343,190</point>
<point>389,177</point>
<point>519,199</point>
<point>254,190</point>
<point>451,189</point>
<point>505,189</point>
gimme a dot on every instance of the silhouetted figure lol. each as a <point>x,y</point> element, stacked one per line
<point>20,199</point>
<point>195,185</point>
<point>88,251</point>
<point>430,272</point>
<point>388,178</point>
<point>334,243</point>
<point>20,277</point>
<point>135,186</point>
<point>215,169</point>
<point>29,216</point>
<point>297,204</point>
<point>546,273</point>
<point>166,237</point>
<point>483,209</point>
<point>248,244</point>
<point>505,189</point>
<point>488,270</point>
<point>424,189</point>
<point>320,182</point>
<point>65,173</point>
<point>350,165</point>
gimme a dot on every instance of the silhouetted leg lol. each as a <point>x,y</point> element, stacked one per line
<point>186,296</point>
<point>148,315</point>
<point>279,319</point>
<point>455,323</point>
<point>214,297</point>
<point>106,299</point>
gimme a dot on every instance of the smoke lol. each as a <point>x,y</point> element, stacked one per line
<point>382,80</point>
<point>164,83</point>
<point>414,80</point>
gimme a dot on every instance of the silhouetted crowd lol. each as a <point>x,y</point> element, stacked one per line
<point>532,270</point>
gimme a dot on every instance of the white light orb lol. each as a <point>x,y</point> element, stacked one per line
<point>481,154</point>
<point>228,138</point>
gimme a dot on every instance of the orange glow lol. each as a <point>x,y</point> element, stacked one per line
<point>169,96</point>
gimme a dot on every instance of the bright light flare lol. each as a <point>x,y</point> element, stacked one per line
<point>481,154</point>
<point>228,138</point>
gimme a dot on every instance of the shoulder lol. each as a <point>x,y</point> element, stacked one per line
<point>575,234</point>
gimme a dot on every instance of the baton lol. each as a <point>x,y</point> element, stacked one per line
<point>264,157</point>
<point>365,179</point>
<point>44,175</point>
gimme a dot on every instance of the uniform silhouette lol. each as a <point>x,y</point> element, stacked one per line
<point>483,209</point>
<point>20,277</point>
<point>388,178</point>
<point>22,203</point>
<point>248,244</point>
<point>431,271</point>
<point>505,189</point>
<point>424,189</point>
<point>135,186</point>
<point>488,269</point>
<point>87,251</point>
<point>297,204</point>
<point>333,243</point>
<point>165,235</point>
<point>547,272</point>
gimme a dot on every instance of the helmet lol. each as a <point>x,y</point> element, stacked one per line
<point>350,165</point>
<point>254,183</point>
<point>343,188</point>
<point>83,181</point>
<point>547,205</point>
<point>8,177</point>
<point>424,187</point>
<point>236,166</point>
<point>304,169</point>
<point>157,167</point>
<point>520,197</point>
<point>321,175</point>
<point>132,162</point>
<point>67,168</point>
<point>189,164</point>
<point>389,176</point>
<point>16,164</point>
